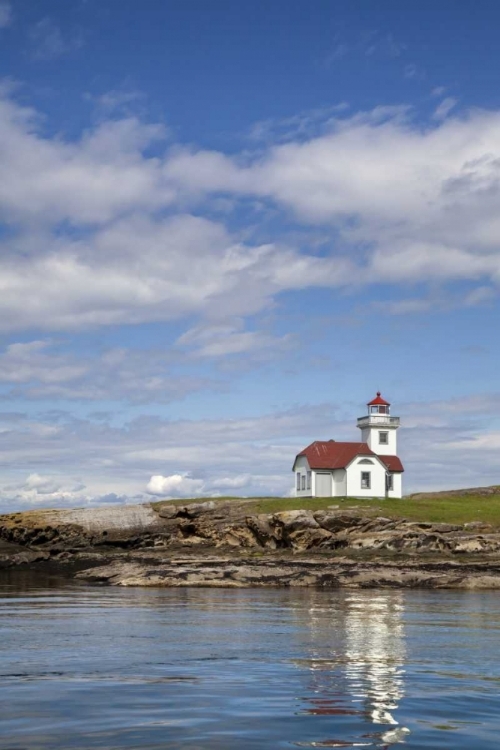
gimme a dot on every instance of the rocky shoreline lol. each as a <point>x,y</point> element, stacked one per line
<point>225,544</point>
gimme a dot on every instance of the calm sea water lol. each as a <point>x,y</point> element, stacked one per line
<point>86,667</point>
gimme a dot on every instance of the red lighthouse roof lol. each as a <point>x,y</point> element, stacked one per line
<point>378,401</point>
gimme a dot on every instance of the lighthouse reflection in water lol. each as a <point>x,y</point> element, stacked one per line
<point>356,665</point>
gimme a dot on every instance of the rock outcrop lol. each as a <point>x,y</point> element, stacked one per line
<point>282,571</point>
<point>227,543</point>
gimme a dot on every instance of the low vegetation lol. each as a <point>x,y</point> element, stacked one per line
<point>459,507</point>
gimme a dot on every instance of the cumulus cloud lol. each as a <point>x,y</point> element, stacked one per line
<point>402,204</point>
<point>175,485</point>
<point>43,490</point>
<point>188,265</point>
<point>92,180</point>
<point>410,203</point>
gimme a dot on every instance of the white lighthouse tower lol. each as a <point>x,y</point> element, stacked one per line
<point>378,429</point>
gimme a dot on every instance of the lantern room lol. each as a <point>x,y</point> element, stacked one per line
<point>379,405</point>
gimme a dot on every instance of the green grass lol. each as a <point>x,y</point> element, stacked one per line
<point>428,508</point>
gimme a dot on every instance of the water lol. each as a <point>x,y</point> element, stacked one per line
<point>85,667</point>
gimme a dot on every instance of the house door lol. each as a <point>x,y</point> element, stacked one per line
<point>323,485</point>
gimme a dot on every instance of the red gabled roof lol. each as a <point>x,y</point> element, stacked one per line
<point>332,455</point>
<point>393,463</point>
<point>378,401</point>
<point>328,454</point>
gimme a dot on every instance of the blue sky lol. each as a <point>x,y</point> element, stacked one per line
<point>224,226</point>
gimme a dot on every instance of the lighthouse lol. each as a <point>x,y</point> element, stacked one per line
<point>378,428</point>
<point>370,468</point>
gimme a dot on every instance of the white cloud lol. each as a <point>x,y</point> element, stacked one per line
<point>36,370</point>
<point>444,108</point>
<point>90,181</point>
<point>175,485</point>
<point>183,485</point>
<point>48,485</point>
<point>187,265</point>
<point>25,362</point>
<point>409,203</point>
<point>405,204</point>
<point>46,490</point>
<point>226,339</point>
<point>5,14</point>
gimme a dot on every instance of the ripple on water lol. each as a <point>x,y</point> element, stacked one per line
<point>90,667</point>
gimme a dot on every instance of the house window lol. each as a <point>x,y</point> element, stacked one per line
<point>308,480</point>
<point>389,482</point>
<point>365,480</point>
<point>303,481</point>
<point>298,480</point>
<point>383,438</point>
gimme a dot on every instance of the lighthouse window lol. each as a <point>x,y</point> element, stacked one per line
<point>308,480</point>
<point>383,438</point>
<point>365,480</point>
<point>298,480</point>
<point>303,481</point>
<point>390,481</point>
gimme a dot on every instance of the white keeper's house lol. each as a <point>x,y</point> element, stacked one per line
<point>370,468</point>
